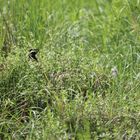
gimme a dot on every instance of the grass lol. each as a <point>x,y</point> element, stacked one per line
<point>71,93</point>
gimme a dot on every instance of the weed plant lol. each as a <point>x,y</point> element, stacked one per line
<point>86,83</point>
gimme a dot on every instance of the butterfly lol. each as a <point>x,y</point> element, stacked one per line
<point>32,54</point>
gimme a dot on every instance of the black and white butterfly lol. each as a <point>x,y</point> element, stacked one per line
<point>32,54</point>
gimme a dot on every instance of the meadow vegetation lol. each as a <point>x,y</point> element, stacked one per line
<point>86,84</point>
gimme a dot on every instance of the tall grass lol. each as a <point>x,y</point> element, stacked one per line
<point>71,93</point>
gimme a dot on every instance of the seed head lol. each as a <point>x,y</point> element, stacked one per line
<point>114,71</point>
